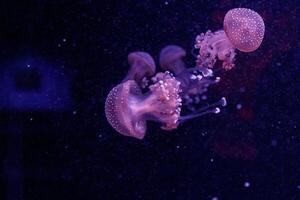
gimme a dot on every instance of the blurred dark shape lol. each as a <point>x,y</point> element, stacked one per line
<point>13,163</point>
<point>245,113</point>
<point>27,85</point>
<point>235,150</point>
<point>234,144</point>
<point>34,85</point>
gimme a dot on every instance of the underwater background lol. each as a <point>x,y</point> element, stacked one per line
<point>60,59</point>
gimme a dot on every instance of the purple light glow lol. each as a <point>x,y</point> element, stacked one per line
<point>34,85</point>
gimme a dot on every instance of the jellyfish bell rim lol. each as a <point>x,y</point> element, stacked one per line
<point>118,112</point>
<point>228,32</point>
<point>179,54</point>
<point>143,57</point>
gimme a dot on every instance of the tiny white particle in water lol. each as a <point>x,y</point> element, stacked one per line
<point>247,184</point>
<point>211,160</point>
<point>238,106</point>
<point>177,146</point>
<point>166,3</point>
<point>214,198</point>
<point>28,66</point>
<point>64,39</point>
<point>74,112</point>
<point>204,133</point>
<point>31,119</point>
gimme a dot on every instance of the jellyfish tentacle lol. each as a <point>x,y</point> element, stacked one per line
<point>212,108</point>
<point>213,46</point>
<point>222,102</point>
<point>183,119</point>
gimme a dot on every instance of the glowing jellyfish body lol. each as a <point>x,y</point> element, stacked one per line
<point>118,112</point>
<point>243,30</point>
<point>128,107</point>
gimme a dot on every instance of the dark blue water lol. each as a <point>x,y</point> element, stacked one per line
<point>59,60</point>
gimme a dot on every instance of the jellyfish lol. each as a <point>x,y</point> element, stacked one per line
<point>127,109</point>
<point>142,66</point>
<point>145,96</point>
<point>243,30</point>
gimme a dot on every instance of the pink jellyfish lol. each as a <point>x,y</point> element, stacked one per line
<point>142,65</point>
<point>243,30</point>
<point>127,109</point>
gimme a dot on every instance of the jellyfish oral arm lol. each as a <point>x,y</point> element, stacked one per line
<point>212,108</point>
<point>162,103</point>
<point>183,119</point>
<point>213,46</point>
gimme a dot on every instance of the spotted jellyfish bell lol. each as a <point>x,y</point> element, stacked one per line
<point>243,30</point>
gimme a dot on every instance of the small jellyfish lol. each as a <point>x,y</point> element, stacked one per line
<point>243,30</point>
<point>127,109</point>
<point>170,59</point>
<point>142,65</point>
